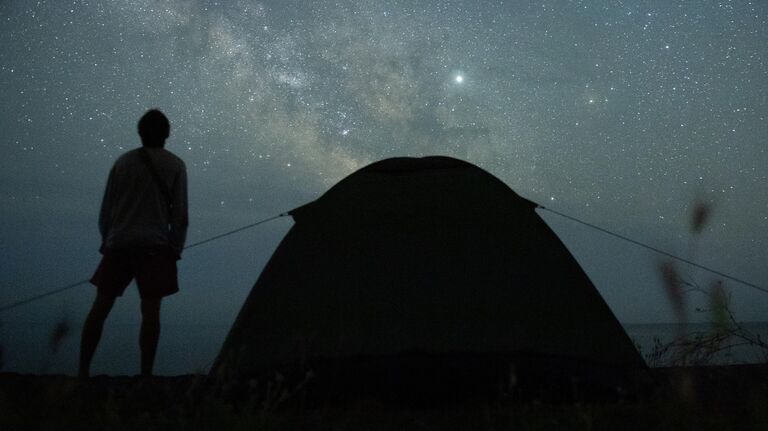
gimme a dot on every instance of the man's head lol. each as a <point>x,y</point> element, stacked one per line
<point>154,128</point>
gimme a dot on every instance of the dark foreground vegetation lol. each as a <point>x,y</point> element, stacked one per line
<point>699,398</point>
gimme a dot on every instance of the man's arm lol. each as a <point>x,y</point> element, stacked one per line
<point>179,217</point>
<point>105,214</point>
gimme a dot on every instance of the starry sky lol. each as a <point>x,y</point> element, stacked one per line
<point>624,114</point>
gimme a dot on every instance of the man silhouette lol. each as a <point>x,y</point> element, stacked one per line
<point>143,224</point>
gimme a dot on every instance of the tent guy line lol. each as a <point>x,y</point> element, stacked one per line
<point>234,231</point>
<point>287,213</point>
<point>81,282</point>
<point>662,252</point>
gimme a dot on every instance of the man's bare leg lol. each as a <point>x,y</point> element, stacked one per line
<point>150,333</point>
<point>91,335</point>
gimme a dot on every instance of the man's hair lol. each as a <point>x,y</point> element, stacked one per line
<point>154,128</point>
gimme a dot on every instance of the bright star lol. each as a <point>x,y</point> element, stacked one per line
<point>459,79</point>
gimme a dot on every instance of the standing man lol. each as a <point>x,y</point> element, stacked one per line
<point>143,223</point>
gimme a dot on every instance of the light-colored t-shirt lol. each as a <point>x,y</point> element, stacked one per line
<point>135,213</point>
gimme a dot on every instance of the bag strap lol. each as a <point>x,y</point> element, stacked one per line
<point>156,176</point>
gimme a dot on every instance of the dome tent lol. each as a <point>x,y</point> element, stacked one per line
<point>428,258</point>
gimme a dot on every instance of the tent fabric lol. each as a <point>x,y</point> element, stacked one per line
<point>427,255</point>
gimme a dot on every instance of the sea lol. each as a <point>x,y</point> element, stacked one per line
<point>39,348</point>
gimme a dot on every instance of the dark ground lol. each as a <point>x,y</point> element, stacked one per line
<point>697,398</point>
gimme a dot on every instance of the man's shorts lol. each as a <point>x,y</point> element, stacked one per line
<point>153,268</point>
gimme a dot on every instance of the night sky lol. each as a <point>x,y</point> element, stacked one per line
<point>624,114</point>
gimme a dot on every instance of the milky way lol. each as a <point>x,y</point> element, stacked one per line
<point>623,114</point>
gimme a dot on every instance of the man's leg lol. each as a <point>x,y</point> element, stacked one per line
<point>94,323</point>
<point>150,333</point>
